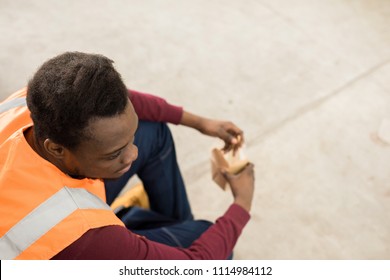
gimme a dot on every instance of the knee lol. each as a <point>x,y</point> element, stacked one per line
<point>152,129</point>
<point>150,132</point>
<point>153,139</point>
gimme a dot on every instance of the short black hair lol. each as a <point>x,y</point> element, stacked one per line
<point>69,90</point>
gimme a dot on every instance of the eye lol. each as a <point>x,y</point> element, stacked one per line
<point>114,156</point>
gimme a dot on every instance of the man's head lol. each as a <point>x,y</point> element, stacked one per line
<point>82,115</point>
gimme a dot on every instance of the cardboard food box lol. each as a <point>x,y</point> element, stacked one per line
<point>233,164</point>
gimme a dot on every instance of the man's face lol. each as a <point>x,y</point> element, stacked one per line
<point>110,151</point>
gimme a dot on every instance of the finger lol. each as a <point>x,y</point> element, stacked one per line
<point>228,140</point>
<point>229,126</point>
<point>235,145</point>
<point>235,149</point>
<point>227,137</point>
<point>227,147</point>
<point>241,139</point>
<point>238,145</point>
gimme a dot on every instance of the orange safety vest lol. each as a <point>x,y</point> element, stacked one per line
<point>42,210</point>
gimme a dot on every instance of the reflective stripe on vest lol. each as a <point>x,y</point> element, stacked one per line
<point>46,216</point>
<point>21,101</point>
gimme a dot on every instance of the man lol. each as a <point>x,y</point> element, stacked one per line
<point>82,126</point>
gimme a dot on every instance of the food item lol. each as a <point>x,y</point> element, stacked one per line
<point>232,163</point>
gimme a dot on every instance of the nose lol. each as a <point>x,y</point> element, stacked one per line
<point>129,155</point>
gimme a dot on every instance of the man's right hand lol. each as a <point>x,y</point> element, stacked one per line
<point>242,186</point>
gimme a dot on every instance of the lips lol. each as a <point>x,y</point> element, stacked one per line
<point>124,170</point>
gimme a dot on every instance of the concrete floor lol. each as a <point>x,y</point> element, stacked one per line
<point>307,80</point>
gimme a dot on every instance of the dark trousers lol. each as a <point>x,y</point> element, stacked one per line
<point>169,219</point>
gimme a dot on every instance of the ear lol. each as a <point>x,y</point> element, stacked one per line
<point>54,149</point>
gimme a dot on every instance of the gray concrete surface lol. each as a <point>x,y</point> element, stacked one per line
<point>307,80</point>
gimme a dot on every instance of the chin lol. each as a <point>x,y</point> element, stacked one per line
<point>103,176</point>
<point>112,177</point>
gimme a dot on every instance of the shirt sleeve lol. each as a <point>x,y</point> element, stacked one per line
<point>117,243</point>
<point>152,108</point>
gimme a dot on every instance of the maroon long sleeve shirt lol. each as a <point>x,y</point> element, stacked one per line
<point>116,242</point>
<point>152,108</point>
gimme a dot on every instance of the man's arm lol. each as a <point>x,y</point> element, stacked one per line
<point>225,130</point>
<point>215,243</point>
<point>116,242</point>
<point>152,108</point>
